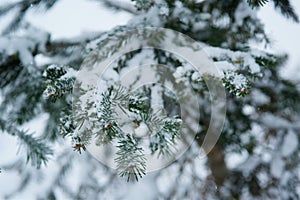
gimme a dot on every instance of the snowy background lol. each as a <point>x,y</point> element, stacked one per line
<point>72,18</point>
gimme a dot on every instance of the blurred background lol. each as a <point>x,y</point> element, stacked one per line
<point>69,19</point>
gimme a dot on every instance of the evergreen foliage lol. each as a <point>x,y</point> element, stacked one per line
<point>130,160</point>
<point>262,108</point>
<point>37,152</point>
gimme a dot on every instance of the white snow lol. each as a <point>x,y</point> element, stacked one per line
<point>277,166</point>
<point>239,81</point>
<point>242,12</point>
<point>24,42</point>
<point>196,76</point>
<point>18,45</point>
<point>235,57</point>
<point>70,74</point>
<point>156,97</point>
<point>70,23</point>
<point>249,165</point>
<point>285,178</point>
<point>273,121</point>
<point>151,18</point>
<point>225,66</point>
<point>290,143</point>
<point>248,110</point>
<point>259,97</point>
<point>141,130</point>
<point>235,159</point>
<point>145,189</point>
<point>37,124</point>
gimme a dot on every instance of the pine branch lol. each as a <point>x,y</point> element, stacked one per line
<point>284,6</point>
<point>120,5</point>
<point>236,83</point>
<point>58,81</point>
<point>67,125</point>
<point>144,4</point>
<point>286,9</point>
<point>131,160</point>
<point>18,104</point>
<point>164,139</point>
<point>10,68</point>
<point>107,118</point>
<point>257,3</point>
<point>23,7</point>
<point>37,151</point>
<point>106,127</point>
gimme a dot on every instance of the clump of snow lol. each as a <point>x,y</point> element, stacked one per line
<point>248,110</point>
<point>277,167</point>
<point>199,26</point>
<point>42,60</point>
<point>249,165</point>
<point>21,46</point>
<point>234,57</point>
<point>166,180</point>
<point>259,97</point>
<point>156,96</point>
<point>24,43</point>
<point>225,66</point>
<point>239,81</point>
<point>272,121</point>
<point>196,77</point>
<point>141,130</point>
<point>151,18</point>
<point>235,159</point>
<point>164,9</point>
<point>243,11</point>
<point>71,73</point>
<point>285,178</point>
<point>222,22</point>
<point>250,62</point>
<point>181,74</point>
<point>290,143</point>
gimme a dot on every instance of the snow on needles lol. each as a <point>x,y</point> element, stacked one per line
<point>24,43</point>
<point>234,58</point>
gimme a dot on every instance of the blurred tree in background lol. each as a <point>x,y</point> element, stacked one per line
<point>262,116</point>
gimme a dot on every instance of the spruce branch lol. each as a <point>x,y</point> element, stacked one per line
<point>58,81</point>
<point>144,4</point>
<point>284,6</point>
<point>257,3</point>
<point>120,95</point>
<point>78,145</point>
<point>236,83</point>
<point>120,5</point>
<point>36,150</point>
<point>107,117</point>
<point>131,160</point>
<point>164,139</point>
<point>137,108</point>
<point>67,125</point>
<point>286,9</point>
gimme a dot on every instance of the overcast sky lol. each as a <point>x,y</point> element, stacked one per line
<point>285,35</point>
